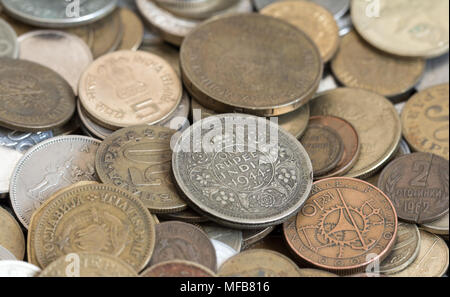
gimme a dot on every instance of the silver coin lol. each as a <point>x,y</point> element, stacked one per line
<point>9,46</point>
<point>252,236</point>
<point>179,119</point>
<point>58,14</point>
<point>90,127</point>
<point>13,144</point>
<point>223,252</point>
<point>436,73</point>
<point>6,255</point>
<point>12,268</point>
<point>49,166</point>
<point>230,237</point>
<point>237,178</point>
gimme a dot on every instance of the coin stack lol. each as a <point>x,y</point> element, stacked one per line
<point>204,138</point>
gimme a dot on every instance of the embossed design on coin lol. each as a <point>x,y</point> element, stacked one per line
<point>13,268</point>
<point>8,41</point>
<point>11,235</point>
<point>178,268</point>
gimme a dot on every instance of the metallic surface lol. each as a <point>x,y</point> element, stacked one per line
<point>8,41</point>
<point>13,268</point>
<point>11,235</point>
<point>178,268</point>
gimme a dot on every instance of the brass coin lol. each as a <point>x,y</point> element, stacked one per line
<point>308,272</point>
<point>128,88</point>
<point>91,264</point>
<point>259,263</point>
<point>374,118</point>
<point>433,258</point>
<point>11,235</point>
<point>178,268</point>
<point>138,159</point>
<point>417,184</point>
<point>324,147</point>
<point>342,223</point>
<point>133,30</point>
<point>32,97</point>
<point>187,215</point>
<point>167,52</point>
<point>425,120</point>
<point>240,69</point>
<point>439,227</point>
<point>96,218</point>
<point>359,65</point>
<point>311,18</point>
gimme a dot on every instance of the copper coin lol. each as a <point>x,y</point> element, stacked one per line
<point>417,184</point>
<point>240,68</point>
<point>345,225</point>
<point>350,140</point>
<point>182,241</point>
<point>33,97</point>
<point>178,268</point>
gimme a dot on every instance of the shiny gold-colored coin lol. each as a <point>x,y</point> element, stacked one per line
<point>374,118</point>
<point>311,18</point>
<point>133,30</point>
<point>426,123</point>
<point>11,235</point>
<point>359,65</point>
<point>128,88</point>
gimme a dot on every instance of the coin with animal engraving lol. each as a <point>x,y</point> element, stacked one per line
<point>33,97</point>
<point>183,241</point>
<point>411,28</point>
<point>8,41</point>
<point>436,73</point>
<point>259,263</point>
<point>133,30</point>
<point>359,65</point>
<point>178,268</point>
<point>138,159</point>
<point>374,118</point>
<point>345,225</point>
<point>11,235</point>
<point>6,254</point>
<point>14,268</point>
<point>418,186</point>
<point>425,120</point>
<point>439,227</point>
<point>44,169</point>
<point>245,172</point>
<point>240,70</point>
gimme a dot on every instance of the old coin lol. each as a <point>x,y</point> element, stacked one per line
<point>91,264</point>
<point>425,120</point>
<point>245,182</point>
<point>92,127</point>
<point>436,73</point>
<point>439,227</point>
<point>342,223</point>
<point>223,252</point>
<point>230,237</point>
<point>417,184</point>
<point>127,88</point>
<point>336,7</point>
<point>311,18</point>
<point>133,30</point>
<point>259,263</point>
<point>70,128</point>
<point>405,28</point>
<point>308,272</point>
<point>13,268</point>
<point>178,268</point>
<point>32,97</point>
<point>187,215</point>
<point>6,254</point>
<point>433,258</point>
<point>374,118</point>
<point>250,237</point>
<point>62,52</point>
<point>324,146</point>
<point>138,159</point>
<point>58,14</point>
<point>359,65</point>
<point>167,52</point>
<point>179,121</point>
<point>11,235</point>
<point>43,170</point>
<point>405,251</point>
<point>182,241</point>
<point>8,41</point>
<point>215,75</point>
<point>197,9</point>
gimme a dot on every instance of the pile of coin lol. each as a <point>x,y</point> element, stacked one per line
<point>176,138</point>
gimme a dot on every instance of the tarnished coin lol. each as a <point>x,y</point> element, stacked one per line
<point>13,268</point>
<point>436,73</point>
<point>178,268</point>
<point>418,186</point>
<point>223,252</point>
<point>230,237</point>
<point>405,251</point>
<point>11,235</point>
<point>345,225</point>
<point>138,159</point>
<point>97,218</point>
<point>308,272</point>
<point>374,118</point>
<point>311,18</point>
<point>187,215</point>
<point>58,14</point>
<point>182,241</point>
<point>44,169</point>
<point>439,227</point>
<point>252,236</point>
<point>259,263</point>
<point>359,65</point>
<point>6,254</point>
<point>8,41</point>
<point>324,146</point>
<point>91,264</point>
<point>33,97</point>
<point>433,258</point>
<point>238,72</point>
<point>425,120</point>
<point>64,53</point>
<point>412,28</point>
<point>127,88</point>
<point>244,177</point>
<point>133,30</point>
